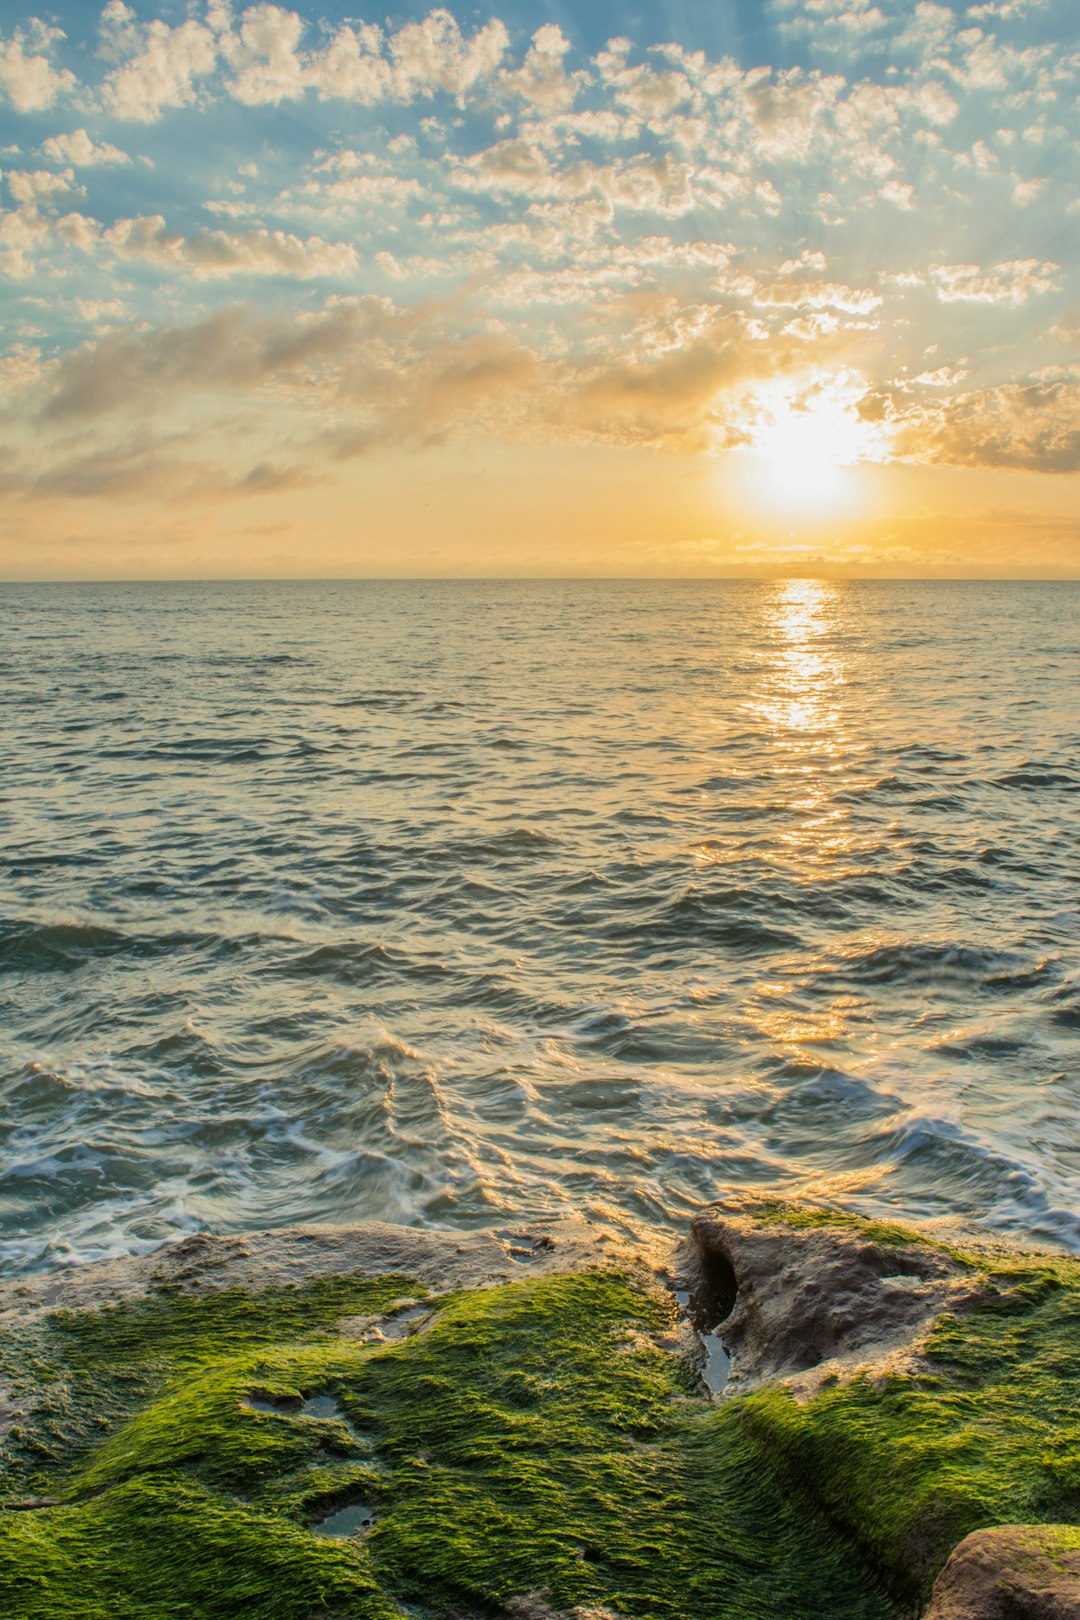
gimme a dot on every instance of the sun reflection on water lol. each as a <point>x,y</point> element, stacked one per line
<point>801,700</point>
<point>800,694</point>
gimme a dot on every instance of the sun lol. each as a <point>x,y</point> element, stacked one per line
<point>803,443</point>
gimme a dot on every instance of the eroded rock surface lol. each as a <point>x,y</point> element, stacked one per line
<point>295,1255</point>
<point>809,1301</point>
<point>1016,1572</point>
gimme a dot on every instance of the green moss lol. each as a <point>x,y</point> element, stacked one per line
<point>181,1326</point>
<point>532,1446</point>
<point>86,1373</point>
<point>535,1436</point>
<point>167,1549</point>
<point>885,1234</point>
<point>989,1435</point>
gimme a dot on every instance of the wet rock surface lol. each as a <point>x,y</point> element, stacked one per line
<point>294,1255</point>
<point>804,1302</point>
<point>1015,1572</point>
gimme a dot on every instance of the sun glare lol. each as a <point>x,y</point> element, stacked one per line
<point>803,444</point>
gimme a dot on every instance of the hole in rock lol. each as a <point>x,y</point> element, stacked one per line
<point>713,1292</point>
<point>717,1368</point>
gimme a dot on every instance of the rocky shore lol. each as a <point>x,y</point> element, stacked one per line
<point>377,1423</point>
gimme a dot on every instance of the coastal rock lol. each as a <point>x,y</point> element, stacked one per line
<point>516,1424</point>
<point>1016,1572</point>
<point>802,1299</point>
<point>295,1255</point>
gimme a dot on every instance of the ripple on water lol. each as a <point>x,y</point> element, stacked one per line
<point>463,904</point>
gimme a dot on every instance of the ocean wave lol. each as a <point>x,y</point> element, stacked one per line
<point>455,904</point>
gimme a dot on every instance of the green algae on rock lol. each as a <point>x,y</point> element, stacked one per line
<point>943,1400</point>
<point>538,1445</point>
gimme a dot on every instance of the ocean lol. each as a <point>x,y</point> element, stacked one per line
<point>460,903</point>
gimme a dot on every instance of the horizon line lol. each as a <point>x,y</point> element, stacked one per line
<point>548,579</point>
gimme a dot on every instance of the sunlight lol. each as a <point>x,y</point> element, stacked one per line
<point>805,673</point>
<point>803,442</point>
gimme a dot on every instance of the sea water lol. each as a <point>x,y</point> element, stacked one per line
<point>457,904</point>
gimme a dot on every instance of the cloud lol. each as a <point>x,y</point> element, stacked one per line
<point>644,184</point>
<point>164,69</point>
<point>27,76</point>
<point>434,55</point>
<point>79,150</point>
<point>352,67</point>
<point>1009,284</point>
<point>400,376</point>
<point>900,194</point>
<point>1034,427</point>
<point>1025,192</point>
<point>229,351</point>
<point>542,81</point>
<point>265,56</point>
<point>35,186</point>
<point>24,232</point>
<point>641,89</point>
<point>144,468</point>
<point>621,244</point>
<point>101,309</point>
<point>224,253</point>
<point>820,295</point>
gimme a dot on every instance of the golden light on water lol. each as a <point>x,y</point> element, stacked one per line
<point>805,675</point>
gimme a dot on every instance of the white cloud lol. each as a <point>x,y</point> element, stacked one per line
<point>641,90</point>
<point>27,77</point>
<point>163,71</point>
<point>21,368</point>
<point>265,56</point>
<point>95,310</point>
<point>352,67</point>
<point>39,186</point>
<point>1009,284</point>
<point>900,193</point>
<point>542,81</point>
<point>23,231</point>
<point>819,295</point>
<point>81,151</point>
<point>1026,191</point>
<point>434,55</point>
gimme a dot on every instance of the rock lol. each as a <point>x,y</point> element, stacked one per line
<point>812,1301</point>
<point>1015,1572</point>
<point>533,1607</point>
<point>532,1423</point>
<point>294,1255</point>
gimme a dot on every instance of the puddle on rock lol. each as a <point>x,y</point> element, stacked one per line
<point>279,1406</point>
<point>404,1322</point>
<point>717,1368</point>
<point>323,1407</point>
<point>354,1520</point>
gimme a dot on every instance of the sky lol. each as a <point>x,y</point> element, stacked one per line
<point>716,287</point>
